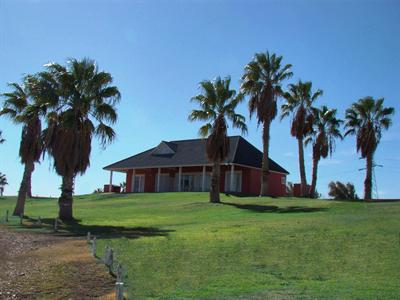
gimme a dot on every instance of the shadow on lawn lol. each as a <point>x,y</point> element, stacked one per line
<point>276,209</point>
<point>75,228</point>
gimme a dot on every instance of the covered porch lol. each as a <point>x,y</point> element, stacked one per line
<point>180,179</point>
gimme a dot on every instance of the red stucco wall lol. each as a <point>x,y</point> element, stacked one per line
<point>251,179</point>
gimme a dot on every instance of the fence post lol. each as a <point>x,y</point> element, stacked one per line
<point>119,291</point>
<point>119,285</point>
<point>21,218</point>
<point>56,225</point>
<point>7,216</point>
<point>39,222</point>
<point>88,237</point>
<point>94,246</point>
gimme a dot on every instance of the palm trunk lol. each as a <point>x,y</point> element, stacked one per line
<point>215,178</point>
<point>20,206</point>
<point>368,178</point>
<point>265,160</point>
<point>314,177</point>
<point>29,183</point>
<point>302,168</point>
<point>65,201</point>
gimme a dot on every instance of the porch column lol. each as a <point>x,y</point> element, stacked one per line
<point>133,181</point>
<point>203,186</point>
<point>179,179</point>
<point>232,172</point>
<point>158,179</point>
<point>110,186</point>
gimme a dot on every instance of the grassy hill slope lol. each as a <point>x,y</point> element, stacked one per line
<point>179,246</point>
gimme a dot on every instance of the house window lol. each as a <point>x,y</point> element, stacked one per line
<point>283,180</point>
<point>138,183</point>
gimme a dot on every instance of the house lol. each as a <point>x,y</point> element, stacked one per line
<point>183,166</point>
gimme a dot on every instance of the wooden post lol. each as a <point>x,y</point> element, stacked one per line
<point>119,290</point>
<point>179,179</point>
<point>88,237</point>
<point>39,222</point>
<point>94,246</point>
<point>158,179</point>
<point>232,173</point>
<point>119,273</point>
<point>133,181</point>
<point>111,180</point>
<point>56,225</point>
<point>6,216</point>
<point>109,258</point>
<point>21,218</point>
<point>203,185</point>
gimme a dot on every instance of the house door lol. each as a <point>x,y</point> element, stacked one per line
<point>187,183</point>
<point>138,183</point>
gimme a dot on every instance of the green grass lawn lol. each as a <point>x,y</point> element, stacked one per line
<point>179,246</point>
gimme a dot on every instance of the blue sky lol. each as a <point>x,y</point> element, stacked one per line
<point>158,51</point>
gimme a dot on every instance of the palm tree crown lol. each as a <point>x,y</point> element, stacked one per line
<point>366,119</point>
<point>299,101</point>
<point>85,108</point>
<point>217,106</point>
<point>324,132</point>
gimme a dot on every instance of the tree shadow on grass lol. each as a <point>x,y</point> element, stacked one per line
<point>75,228</point>
<point>276,209</point>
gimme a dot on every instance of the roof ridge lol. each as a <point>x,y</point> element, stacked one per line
<point>187,140</point>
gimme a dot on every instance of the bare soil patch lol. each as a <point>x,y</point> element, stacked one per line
<point>46,266</point>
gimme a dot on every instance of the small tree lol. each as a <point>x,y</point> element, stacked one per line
<point>217,105</point>
<point>341,191</point>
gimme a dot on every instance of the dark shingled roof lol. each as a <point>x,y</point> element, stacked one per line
<point>193,153</point>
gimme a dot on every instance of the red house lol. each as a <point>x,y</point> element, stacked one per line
<point>182,166</point>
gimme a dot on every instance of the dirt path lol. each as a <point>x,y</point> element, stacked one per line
<point>45,266</point>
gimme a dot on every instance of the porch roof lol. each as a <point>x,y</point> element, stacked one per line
<point>193,153</point>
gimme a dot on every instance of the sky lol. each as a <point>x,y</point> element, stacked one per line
<point>158,52</point>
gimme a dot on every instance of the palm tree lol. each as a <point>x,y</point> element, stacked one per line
<point>325,129</point>
<point>366,119</point>
<point>217,105</point>
<point>23,106</point>
<point>299,100</point>
<point>3,183</point>
<point>262,81</point>
<point>85,107</point>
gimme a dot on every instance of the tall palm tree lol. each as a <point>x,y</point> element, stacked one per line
<point>217,106</point>
<point>23,106</point>
<point>261,81</point>
<point>325,130</point>
<point>85,107</point>
<point>3,183</point>
<point>299,101</point>
<point>366,119</point>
